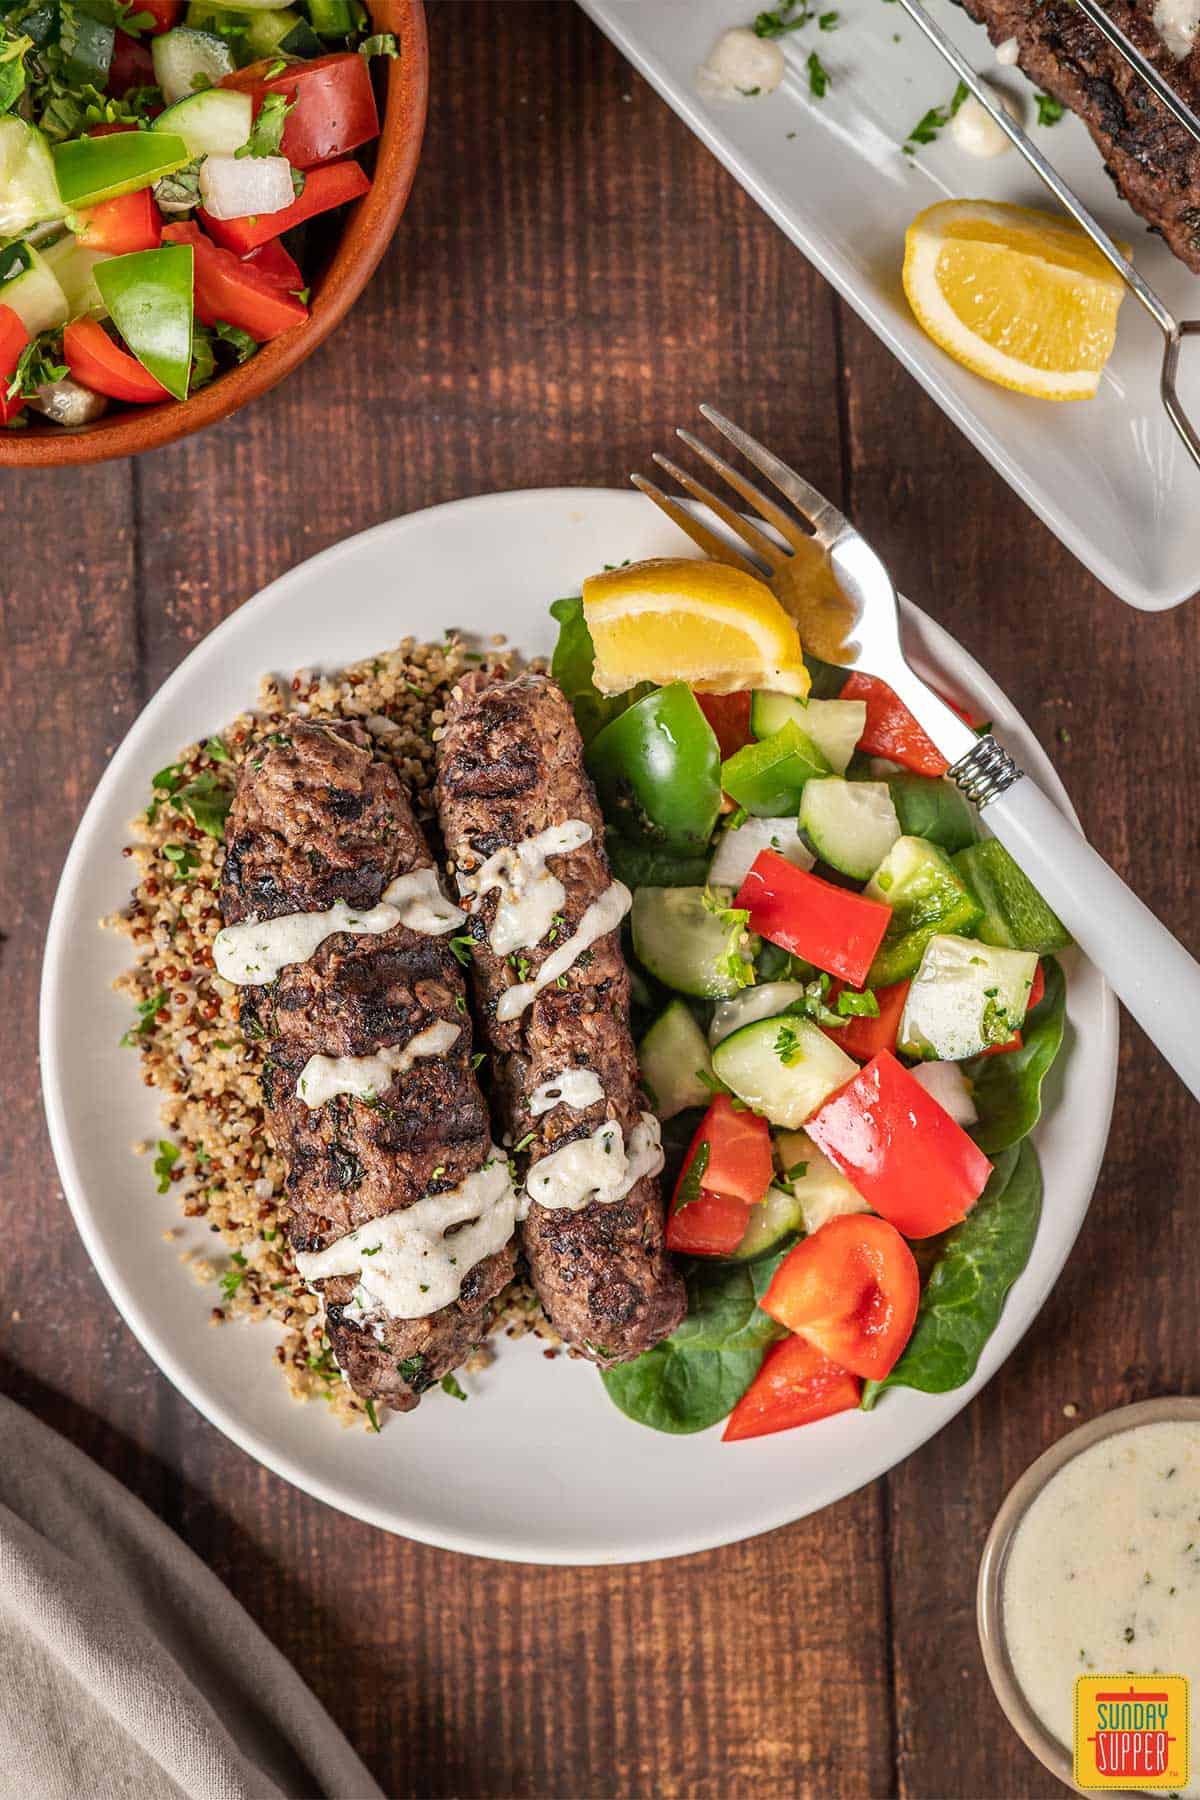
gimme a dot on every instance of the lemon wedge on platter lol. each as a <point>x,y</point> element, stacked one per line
<point>706,623</point>
<point>1019,296</point>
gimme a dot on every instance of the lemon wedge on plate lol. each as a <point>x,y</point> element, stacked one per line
<point>1019,296</point>
<point>706,623</point>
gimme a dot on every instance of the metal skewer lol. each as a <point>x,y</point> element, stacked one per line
<point>1125,46</point>
<point>1174,330</point>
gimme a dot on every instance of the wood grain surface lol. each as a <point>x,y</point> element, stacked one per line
<point>573,275</point>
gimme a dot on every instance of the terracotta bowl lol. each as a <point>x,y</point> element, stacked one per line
<point>364,238</point>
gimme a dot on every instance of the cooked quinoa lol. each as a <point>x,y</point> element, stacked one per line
<point>217,1157</point>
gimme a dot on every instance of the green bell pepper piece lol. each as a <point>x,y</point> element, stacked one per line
<point>93,169</point>
<point>768,777</point>
<point>149,298</point>
<point>657,769</point>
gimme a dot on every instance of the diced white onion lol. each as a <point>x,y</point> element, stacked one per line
<point>239,187</point>
<point>738,846</point>
<point>950,1088</point>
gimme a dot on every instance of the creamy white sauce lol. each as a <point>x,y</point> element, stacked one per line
<point>412,1263</point>
<point>599,1168</point>
<point>1175,22</point>
<point>254,952</point>
<point>975,131</point>
<point>601,917</point>
<point>740,66</point>
<point>324,1077</point>
<point>1007,53</point>
<point>421,904</point>
<point>1103,1574</point>
<point>576,1088</point>
<point>530,895</point>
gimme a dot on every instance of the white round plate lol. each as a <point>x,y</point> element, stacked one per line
<point>539,1466</point>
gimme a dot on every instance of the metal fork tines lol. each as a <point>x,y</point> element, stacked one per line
<point>1174,330</point>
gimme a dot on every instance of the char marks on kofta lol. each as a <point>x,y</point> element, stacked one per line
<point>317,819</point>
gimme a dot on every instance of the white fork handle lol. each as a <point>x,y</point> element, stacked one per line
<point>1149,969</point>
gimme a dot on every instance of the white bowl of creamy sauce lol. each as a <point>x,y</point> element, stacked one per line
<point>1093,1568</point>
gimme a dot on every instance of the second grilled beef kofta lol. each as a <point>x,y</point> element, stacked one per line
<point>398,1207</point>
<point>526,839</point>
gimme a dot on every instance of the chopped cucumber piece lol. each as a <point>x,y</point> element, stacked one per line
<point>850,824</point>
<point>821,1190</point>
<point>31,288</point>
<point>927,895</point>
<point>950,1088</point>
<point>73,267</point>
<point>738,845</point>
<point>834,726</point>
<point>768,778</point>
<point>782,1067</point>
<point>965,997</point>
<point>673,1055</point>
<point>762,1002</point>
<point>776,1217</point>
<point>28,188</point>
<point>331,18</point>
<point>1014,914</point>
<point>687,945</point>
<point>183,54</point>
<point>213,122</point>
<point>929,806</point>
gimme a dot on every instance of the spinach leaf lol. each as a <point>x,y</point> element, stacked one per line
<point>965,1294</point>
<point>572,665</point>
<point>1008,1088</point>
<point>702,1370</point>
<point>643,865</point>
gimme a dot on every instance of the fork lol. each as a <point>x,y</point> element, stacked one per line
<point>1148,968</point>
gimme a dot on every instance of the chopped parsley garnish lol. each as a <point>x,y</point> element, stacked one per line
<point>926,128</point>
<point>164,783</point>
<point>829,21</point>
<point>233,1278</point>
<point>371,1415</point>
<point>215,748</point>
<point>524,1143</point>
<point>1049,111</point>
<point>145,1010</point>
<point>818,76</point>
<point>787,1046</point>
<point>732,963</point>
<point>164,1162</point>
<point>693,1178</point>
<point>452,1387</point>
<point>479,1058</point>
<point>38,363</point>
<point>789,16</point>
<point>266,133</point>
<point>239,341</point>
<point>183,857</point>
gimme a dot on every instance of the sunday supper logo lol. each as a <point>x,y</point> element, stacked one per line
<point>1132,1735</point>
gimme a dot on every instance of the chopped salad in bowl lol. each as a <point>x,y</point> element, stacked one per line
<point>164,173</point>
<point>847,1001</point>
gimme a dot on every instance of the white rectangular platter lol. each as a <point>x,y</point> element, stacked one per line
<point>1108,476</point>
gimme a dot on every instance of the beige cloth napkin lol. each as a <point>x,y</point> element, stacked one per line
<point>127,1670</point>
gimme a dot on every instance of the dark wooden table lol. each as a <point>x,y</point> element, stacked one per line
<point>573,275</point>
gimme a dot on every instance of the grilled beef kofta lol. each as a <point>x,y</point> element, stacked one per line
<point>1152,159</point>
<point>340,941</point>
<point>526,839</point>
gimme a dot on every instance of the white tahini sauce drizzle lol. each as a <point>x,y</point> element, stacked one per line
<point>411,1263</point>
<point>1008,52</point>
<point>1176,22</point>
<point>601,917</point>
<point>1103,1575</point>
<point>530,895</point>
<point>576,1088</point>
<point>324,1077</point>
<point>740,66</point>
<point>974,129</point>
<point>253,953</point>
<point>597,1168</point>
